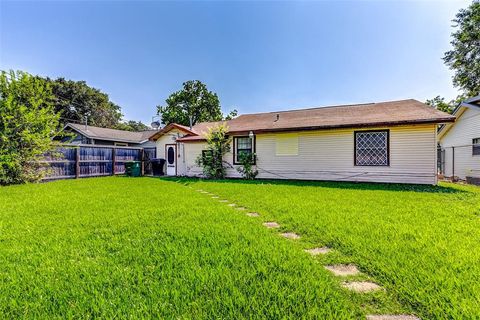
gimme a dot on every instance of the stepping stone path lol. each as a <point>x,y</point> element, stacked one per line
<point>343,270</point>
<point>271,225</point>
<point>361,286</point>
<point>231,204</point>
<point>241,208</point>
<point>317,251</point>
<point>392,317</point>
<point>253,214</point>
<point>224,201</point>
<point>215,197</point>
<point>290,235</point>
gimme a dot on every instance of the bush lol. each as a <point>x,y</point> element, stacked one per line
<point>211,159</point>
<point>247,165</point>
<point>28,124</point>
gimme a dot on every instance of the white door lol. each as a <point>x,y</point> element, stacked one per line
<point>171,155</point>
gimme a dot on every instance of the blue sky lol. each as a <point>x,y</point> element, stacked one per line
<point>257,56</point>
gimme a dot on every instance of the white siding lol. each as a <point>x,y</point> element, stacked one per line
<point>460,136</point>
<point>329,155</point>
<point>170,138</point>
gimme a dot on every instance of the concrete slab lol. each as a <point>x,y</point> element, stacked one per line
<point>253,214</point>
<point>343,270</point>
<point>361,286</point>
<point>271,225</point>
<point>290,235</point>
<point>391,317</point>
<point>318,251</point>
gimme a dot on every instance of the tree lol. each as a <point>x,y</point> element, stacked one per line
<point>193,102</point>
<point>132,125</point>
<point>211,159</point>
<point>75,100</point>
<point>440,104</point>
<point>28,122</point>
<point>464,58</point>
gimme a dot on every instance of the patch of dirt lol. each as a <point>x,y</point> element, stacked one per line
<point>317,251</point>
<point>392,317</point>
<point>271,225</point>
<point>361,286</point>
<point>290,235</point>
<point>253,214</point>
<point>343,270</point>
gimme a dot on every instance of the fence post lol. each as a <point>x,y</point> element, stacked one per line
<point>142,161</point>
<point>114,151</point>
<point>77,163</point>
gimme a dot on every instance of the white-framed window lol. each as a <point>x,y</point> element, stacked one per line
<point>476,147</point>
<point>372,148</point>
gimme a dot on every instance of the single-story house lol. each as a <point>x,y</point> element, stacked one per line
<point>460,143</point>
<point>392,141</point>
<point>86,134</point>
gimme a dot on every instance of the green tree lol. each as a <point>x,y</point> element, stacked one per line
<point>440,104</point>
<point>211,159</point>
<point>28,122</point>
<point>132,125</point>
<point>464,58</point>
<point>194,101</point>
<point>75,100</point>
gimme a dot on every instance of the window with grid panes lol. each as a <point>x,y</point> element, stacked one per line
<point>372,148</point>
<point>242,145</point>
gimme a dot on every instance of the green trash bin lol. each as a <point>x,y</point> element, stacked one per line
<point>133,169</point>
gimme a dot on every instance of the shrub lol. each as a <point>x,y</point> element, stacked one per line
<point>247,165</point>
<point>211,159</point>
<point>28,124</point>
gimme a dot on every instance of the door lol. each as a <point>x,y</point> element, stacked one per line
<point>171,157</point>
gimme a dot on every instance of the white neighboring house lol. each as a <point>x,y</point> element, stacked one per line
<point>393,141</point>
<point>460,143</point>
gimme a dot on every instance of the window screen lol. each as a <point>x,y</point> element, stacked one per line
<point>371,148</point>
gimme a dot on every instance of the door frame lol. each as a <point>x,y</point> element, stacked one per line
<point>166,157</point>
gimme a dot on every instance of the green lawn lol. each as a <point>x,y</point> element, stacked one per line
<point>145,247</point>
<point>421,243</point>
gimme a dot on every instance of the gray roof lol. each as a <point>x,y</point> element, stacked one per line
<point>112,134</point>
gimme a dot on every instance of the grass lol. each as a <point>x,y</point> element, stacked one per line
<point>421,243</point>
<point>147,248</point>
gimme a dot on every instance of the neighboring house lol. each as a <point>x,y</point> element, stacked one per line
<point>377,142</point>
<point>85,134</point>
<point>460,143</point>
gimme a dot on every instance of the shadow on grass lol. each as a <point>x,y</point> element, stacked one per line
<point>332,184</point>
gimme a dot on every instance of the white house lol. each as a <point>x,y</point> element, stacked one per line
<point>392,141</point>
<point>460,143</point>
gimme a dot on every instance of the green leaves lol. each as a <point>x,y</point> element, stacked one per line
<point>211,160</point>
<point>194,101</point>
<point>28,123</point>
<point>464,58</point>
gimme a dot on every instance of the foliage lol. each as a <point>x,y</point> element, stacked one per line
<point>464,58</point>
<point>211,160</point>
<point>415,241</point>
<point>247,165</point>
<point>132,125</point>
<point>28,122</point>
<point>76,100</point>
<point>193,100</point>
<point>82,249</point>
<point>440,104</point>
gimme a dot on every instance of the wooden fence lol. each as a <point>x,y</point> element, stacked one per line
<point>78,161</point>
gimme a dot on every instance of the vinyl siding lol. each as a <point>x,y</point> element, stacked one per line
<point>329,155</point>
<point>460,136</point>
<point>170,138</point>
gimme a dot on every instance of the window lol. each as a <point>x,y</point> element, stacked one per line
<point>286,144</point>
<point>242,145</point>
<point>476,147</point>
<point>372,148</point>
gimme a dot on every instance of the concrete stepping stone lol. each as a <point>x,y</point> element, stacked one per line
<point>253,214</point>
<point>391,317</point>
<point>231,204</point>
<point>199,190</point>
<point>318,251</point>
<point>241,208</point>
<point>215,197</point>
<point>361,286</point>
<point>223,201</point>
<point>271,225</point>
<point>290,235</point>
<point>343,270</point>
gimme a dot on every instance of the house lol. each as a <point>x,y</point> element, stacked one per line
<point>392,141</point>
<point>86,134</point>
<point>460,143</point>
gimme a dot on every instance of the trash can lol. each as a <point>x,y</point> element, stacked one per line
<point>157,166</point>
<point>133,168</point>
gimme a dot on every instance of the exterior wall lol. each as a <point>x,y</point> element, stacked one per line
<point>170,138</point>
<point>329,155</point>
<point>460,135</point>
